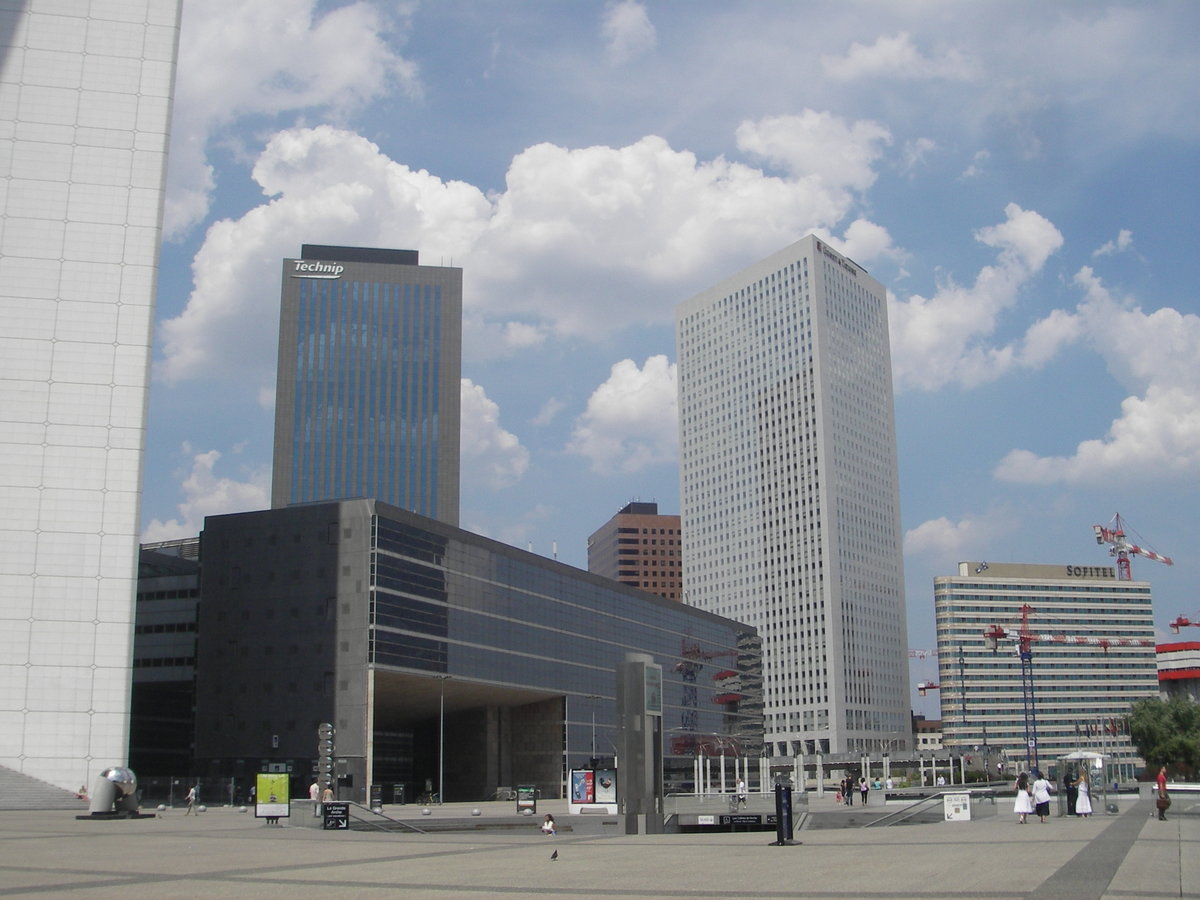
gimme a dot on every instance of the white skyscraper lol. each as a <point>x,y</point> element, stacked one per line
<point>790,499</point>
<point>85,97</point>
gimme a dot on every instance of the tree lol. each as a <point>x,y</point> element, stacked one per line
<point>1166,732</point>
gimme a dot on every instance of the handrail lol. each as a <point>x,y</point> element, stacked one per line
<point>902,815</point>
<point>381,815</point>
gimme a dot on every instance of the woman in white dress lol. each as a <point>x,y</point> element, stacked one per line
<point>1083,806</point>
<point>1024,802</point>
<point>1041,795</point>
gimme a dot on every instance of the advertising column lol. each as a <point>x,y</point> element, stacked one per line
<point>639,712</point>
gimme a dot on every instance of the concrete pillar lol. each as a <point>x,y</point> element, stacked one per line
<point>639,712</point>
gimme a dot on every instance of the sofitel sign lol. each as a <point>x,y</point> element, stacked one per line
<point>1091,572</point>
<point>307,268</point>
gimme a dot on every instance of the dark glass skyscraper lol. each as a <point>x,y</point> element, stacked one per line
<point>367,396</point>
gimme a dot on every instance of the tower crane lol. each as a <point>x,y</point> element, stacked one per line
<point>1024,638</point>
<point>1180,622</point>
<point>1114,534</point>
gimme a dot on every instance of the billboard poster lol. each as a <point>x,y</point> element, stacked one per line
<point>271,797</point>
<point>583,786</point>
<point>654,703</point>
<point>606,785</point>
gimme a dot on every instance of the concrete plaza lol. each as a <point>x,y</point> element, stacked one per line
<point>223,852</point>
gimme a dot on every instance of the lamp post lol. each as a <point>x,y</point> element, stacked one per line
<point>593,698</point>
<point>442,738</point>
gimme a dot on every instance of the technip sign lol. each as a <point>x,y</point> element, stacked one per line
<point>309,268</point>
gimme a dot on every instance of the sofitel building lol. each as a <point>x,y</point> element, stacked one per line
<point>1091,655</point>
<point>790,498</point>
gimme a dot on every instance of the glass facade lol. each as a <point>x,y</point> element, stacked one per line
<point>478,610</point>
<point>368,383</point>
<point>398,627</point>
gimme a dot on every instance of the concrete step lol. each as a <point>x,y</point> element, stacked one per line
<point>19,791</point>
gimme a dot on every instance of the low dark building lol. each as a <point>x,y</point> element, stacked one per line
<point>441,657</point>
<point>161,723</point>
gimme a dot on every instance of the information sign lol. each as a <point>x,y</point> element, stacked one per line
<point>337,816</point>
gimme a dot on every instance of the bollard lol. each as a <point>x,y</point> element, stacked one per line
<point>783,815</point>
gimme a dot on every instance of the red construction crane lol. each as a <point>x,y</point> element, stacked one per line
<point>1114,533</point>
<point>1024,639</point>
<point>1181,622</point>
<point>923,686</point>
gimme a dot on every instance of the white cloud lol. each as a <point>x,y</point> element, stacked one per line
<point>1123,242</point>
<point>241,59</point>
<point>944,542</point>
<point>818,145</point>
<point>915,154</point>
<point>1158,432</point>
<point>631,420</point>
<point>895,57</point>
<point>581,243</point>
<point>207,494</point>
<point>627,31</point>
<point>491,456</point>
<point>976,168</point>
<point>549,412</point>
<point>865,242</point>
<point>1025,239</point>
<point>940,340</point>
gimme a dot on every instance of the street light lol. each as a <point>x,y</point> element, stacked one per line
<point>442,738</point>
<point>593,698</point>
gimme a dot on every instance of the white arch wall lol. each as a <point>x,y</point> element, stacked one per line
<point>85,96</point>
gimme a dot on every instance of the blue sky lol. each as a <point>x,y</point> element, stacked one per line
<point>1021,176</point>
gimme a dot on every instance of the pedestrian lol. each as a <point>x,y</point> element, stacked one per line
<point>314,794</point>
<point>1041,795</point>
<point>1163,801</point>
<point>191,800</point>
<point>548,826</point>
<point>1071,786</point>
<point>741,792</point>
<point>849,790</point>
<point>1023,805</point>
<point>327,794</point>
<point>863,787</point>
<point>889,783</point>
<point>1083,800</point>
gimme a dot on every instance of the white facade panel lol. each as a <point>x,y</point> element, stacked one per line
<point>790,495</point>
<point>84,113</point>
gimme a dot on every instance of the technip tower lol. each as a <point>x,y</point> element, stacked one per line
<point>367,397</point>
<point>85,90</point>
<point>790,499</point>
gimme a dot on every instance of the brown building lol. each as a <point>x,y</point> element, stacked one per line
<point>640,548</point>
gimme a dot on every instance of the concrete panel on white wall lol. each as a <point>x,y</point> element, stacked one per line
<point>83,143</point>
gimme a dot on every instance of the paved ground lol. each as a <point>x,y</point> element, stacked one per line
<point>224,853</point>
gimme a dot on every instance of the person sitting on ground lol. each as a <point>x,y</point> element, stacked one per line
<point>548,826</point>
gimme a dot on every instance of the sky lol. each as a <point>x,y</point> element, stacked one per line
<point>1021,176</point>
